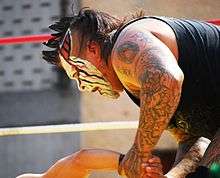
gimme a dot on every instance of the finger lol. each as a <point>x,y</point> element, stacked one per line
<point>159,166</point>
<point>154,170</point>
<point>153,175</point>
<point>143,167</point>
<point>154,159</point>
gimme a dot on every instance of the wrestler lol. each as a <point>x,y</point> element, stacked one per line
<point>169,67</point>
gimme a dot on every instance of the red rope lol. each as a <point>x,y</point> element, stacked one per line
<point>45,37</point>
<point>25,39</point>
<point>214,21</point>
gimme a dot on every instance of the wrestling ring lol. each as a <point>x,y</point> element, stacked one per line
<point>64,128</point>
<point>79,127</point>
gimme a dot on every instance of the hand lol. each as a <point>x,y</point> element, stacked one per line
<point>131,164</point>
<point>153,168</point>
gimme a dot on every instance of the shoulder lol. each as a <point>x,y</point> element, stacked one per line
<point>133,41</point>
<point>131,47</point>
<point>137,49</point>
<point>148,31</point>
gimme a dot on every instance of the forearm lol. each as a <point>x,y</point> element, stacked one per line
<point>81,163</point>
<point>98,159</point>
<point>158,103</point>
<point>190,160</point>
<point>66,167</point>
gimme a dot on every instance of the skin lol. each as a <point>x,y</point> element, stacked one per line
<point>145,62</point>
<point>156,80</point>
<point>78,166</point>
<point>82,163</point>
<point>91,52</point>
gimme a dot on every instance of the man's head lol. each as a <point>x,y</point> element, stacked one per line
<point>82,47</point>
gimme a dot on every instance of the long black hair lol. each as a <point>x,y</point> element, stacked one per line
<point>91,25</point>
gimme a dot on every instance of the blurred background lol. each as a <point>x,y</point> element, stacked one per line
<point>33,92</point>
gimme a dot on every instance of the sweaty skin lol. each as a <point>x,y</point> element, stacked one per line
<point>156,79</point>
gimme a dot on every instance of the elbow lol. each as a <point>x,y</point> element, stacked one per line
<point>179,76</point>
<point>176,86</point>
<point>79,158</point>
<point>179,81</point>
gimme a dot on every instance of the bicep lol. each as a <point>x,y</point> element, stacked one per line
<point>138,54</point>
<point>156,64</point>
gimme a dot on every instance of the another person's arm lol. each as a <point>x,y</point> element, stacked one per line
<point>80,164</point>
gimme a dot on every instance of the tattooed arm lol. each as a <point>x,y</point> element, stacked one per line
<point>155,72</point>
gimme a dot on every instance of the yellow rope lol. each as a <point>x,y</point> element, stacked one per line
<point>82,127</point>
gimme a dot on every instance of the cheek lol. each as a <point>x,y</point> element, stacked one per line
<point>69,73</point>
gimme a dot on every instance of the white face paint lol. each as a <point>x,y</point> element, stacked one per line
<point>88,77</point>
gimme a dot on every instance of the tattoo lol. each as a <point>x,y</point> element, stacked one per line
<point>124,71</point>
<point>128,51</point>
<point>140,37</point>
<point>159,98</point>
<point>136,93</point>
<point>134,159</point>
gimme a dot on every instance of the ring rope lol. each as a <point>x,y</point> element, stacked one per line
<point>64,128</point>
<point>82,127</point>
<point>25,39</point>
<point>46,37</point>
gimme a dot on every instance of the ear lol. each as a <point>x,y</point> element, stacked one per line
<point>93,48</point>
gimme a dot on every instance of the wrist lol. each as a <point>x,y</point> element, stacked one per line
<point>120,168</point>
<point>140,152</point>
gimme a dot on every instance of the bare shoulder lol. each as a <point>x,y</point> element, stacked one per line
<point>137,47</point>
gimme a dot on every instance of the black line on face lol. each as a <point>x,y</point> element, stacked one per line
<point>92,82</point>
<point>93,75</point>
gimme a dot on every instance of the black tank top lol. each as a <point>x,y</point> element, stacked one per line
<point>198,112</point>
